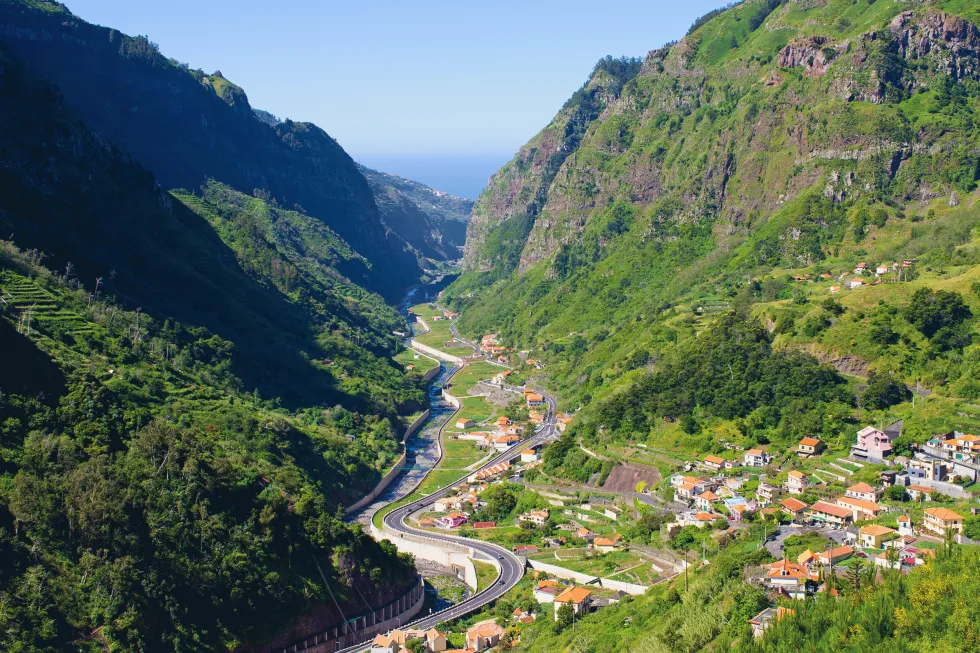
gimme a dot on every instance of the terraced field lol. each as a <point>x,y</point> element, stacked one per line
<point>24,296</point>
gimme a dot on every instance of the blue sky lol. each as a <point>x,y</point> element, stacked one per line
<point>392,80</point>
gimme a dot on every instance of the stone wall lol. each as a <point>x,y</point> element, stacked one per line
<point>364,627</point>
<point>448,554</point>
<point>435,353</point>
<point>585,579</point>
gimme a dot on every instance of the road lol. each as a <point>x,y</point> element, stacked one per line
<point>775,546</point>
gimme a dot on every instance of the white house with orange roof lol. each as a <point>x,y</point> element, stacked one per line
<point>484,635</point>
<point>863,491</point>
<point>940,520</point>
<point>756,458</point>
<point>860,509</point>
<point>577,597</point>
<point>529,456</point>
<point>905,525</point>
<point>704,500</point>
<point>793,578</point>
<point>716,463</point>
<point>797,482</point>
<point>874,536</point>
<point>810,447</point>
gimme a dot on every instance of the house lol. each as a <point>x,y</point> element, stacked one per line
<point>940,520</point>
<point>525,549</point>
<point>794,508</point>
<point>446,504</point>
<point>585,534</point>
<point>835,289</point>
<point>503,421</point>
<point>881,270</point>
<point>464,423</point>
<point>529,456</point>
<point>435,641</point>
<point>705,499</point>
<point>810,447</point>
<point>536,517</point>
<point>807,558</point>
<point>961,446</point>
<point>766,494</point>
<point>503,442</point>
<point>546,591</point>
<point>428,522</point>
<point>563,421</point>
<point>929,470</point>
<point>716,463</point>
<point>485,524</point>
<point>919,492</point>
<point>533,399</point>
<point>830,514</point>
<point>452,520</point>
<point>756,458</point>
<point>859,508</point>
<point>861,267</point>
<point>874,536</point>
<point>792,578</point>
<point>577,597</point>
<point>835,555</point>
<point>483,636</point>
<point>854,283</point>
<point>603,544</point>
<point>905,525</point>
<point>384,643</point>
<point>699,518</point>
<point>872,444</point>
<point>762,620</point>
<point>796,482</point>
<point>862,491</point>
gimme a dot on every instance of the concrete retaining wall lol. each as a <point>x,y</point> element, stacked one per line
<point>455,556</point>
<point>629,588</point>
<point>561,572</point>
<point>435,353</point>
<point>386,480</point>
<point>364,627</point>
<point>433,373</point>
<point>450,399</point>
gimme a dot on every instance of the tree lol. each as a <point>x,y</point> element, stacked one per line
<point>566,615</point>
<point>884,391</point>
<point>416,645</point>
<point>895,493</point>
<point>929,311</point>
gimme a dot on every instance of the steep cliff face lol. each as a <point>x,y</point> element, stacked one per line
<point>752,143</point>
<point>186,127</point>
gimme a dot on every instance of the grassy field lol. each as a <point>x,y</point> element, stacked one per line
<point>476,409</point>
<point>459,454</point>
<point>486,574</point>
<point>422,363</point>
<point>436,480</point>
<point>472,374</point>
<point>641,575</point>
<point>586,562</point>
<point>794,545</point>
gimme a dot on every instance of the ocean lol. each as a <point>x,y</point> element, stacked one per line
<point>464,175</point>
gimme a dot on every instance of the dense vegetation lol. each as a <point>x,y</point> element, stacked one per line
<point>180,381</point>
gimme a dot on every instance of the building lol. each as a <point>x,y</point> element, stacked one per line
<point>536,517</point>
<point>859,508</point>
<point>464,423</point>
<point>940,520</point>
<point>795,508</point>
<point>872,444</point>
<point>503,421</point>
<point>546,591</point>
<point>428,522</point>
<point>835,555</point>
<point>704,500</point>
<point>483,636</point>
<point>716,463</point>
<point>962,447</point>
<point>919,492</point>
<point>796,482</point>
<point>603,545</point>
<point>766,494</point>
<point>854,283</point>
<point>810,447</point>
<point>829,514</point>
<point>452,520</point>
<point>485,524</point>
<point>792,578</point>
<point>577,597</point>
<point>533,399</point>
<point>525,549</point>
<point>874,536</point>
<point>756,458</point>
<point>529,456</point>
<point>435,641</point>
<point>862,491</point>
<point>905,526</point>
<point>762,620</point>
<point>927,469</point>
<point>585,534</point>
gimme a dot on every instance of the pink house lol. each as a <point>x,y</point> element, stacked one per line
<point>872,444</point>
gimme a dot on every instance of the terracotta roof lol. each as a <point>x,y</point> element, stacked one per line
<point>876,530</point>
<point>786,569</point>
<point>903,518</point>
<point>754,452</point>
<point>830,509</point>
<point>796,474</point>
<point>573,595</point>
<point>921,488</point>
<point>810,442</point>
<point>793,505</point>
<point>708,496</point>
<point>603,541</point>
<point>704,516</point>
<point>489,629</point>
<point>806,557</point>
<point>836,552</point>
<point>714,460</point>
<point>529,452</point>
<point>862,488</point>
<point>866,506</point>
<point>942,513</point>
<point>548,583</point>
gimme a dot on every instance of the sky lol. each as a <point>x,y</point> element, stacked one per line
<point>396,83</point>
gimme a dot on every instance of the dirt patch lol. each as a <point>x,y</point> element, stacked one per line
<point>493,395</point>
<point>624,478</point>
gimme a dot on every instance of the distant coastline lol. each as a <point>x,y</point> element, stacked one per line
<point>464,175</point>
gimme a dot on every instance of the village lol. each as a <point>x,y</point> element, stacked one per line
<point>821,513</point>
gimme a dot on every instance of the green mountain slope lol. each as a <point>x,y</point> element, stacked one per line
<point>186,126</point>
<point>169,471</point>
<point>432,221</point>
<point>776,139</point>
